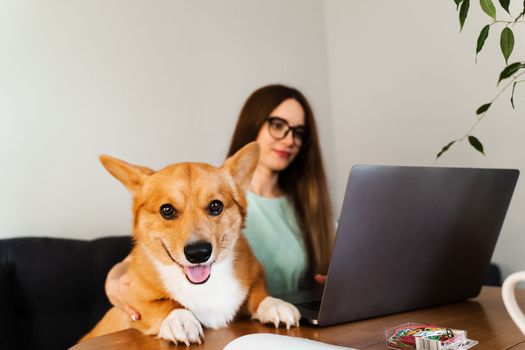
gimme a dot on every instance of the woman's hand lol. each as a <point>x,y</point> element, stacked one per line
<point>321,279</point>
<point>117,286</point>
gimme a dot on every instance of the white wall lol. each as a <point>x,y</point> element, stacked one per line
<point>151,82</point>
<point>404,83</point>
<point>159,82</point>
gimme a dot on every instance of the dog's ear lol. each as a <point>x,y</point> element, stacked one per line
<point>242,164</point>
<point>131,176</point>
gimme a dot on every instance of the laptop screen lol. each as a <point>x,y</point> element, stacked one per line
<point>411,237</point>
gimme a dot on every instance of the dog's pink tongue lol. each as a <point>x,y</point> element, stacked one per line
<point>197,274</point>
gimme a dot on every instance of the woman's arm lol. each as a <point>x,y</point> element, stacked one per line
<point>117,285</point>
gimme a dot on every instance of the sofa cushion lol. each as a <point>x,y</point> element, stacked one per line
<point>53,289</point>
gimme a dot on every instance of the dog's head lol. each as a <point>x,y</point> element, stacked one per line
<point>190,214</point>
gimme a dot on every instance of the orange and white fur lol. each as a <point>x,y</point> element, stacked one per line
<point>190,265</point>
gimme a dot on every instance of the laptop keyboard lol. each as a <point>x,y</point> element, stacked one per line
<point>314,305</point>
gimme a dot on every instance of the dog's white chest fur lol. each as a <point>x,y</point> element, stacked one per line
<point>214,303</point>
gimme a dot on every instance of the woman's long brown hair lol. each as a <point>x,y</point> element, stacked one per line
<point>304,180</point>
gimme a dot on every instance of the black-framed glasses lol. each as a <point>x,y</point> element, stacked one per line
<point>279,129</point>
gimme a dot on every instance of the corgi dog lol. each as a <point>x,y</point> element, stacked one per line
<point>190,265</point>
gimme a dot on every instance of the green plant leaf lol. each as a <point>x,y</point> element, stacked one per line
<point>483,108</point>
<point>483,35</point>
<point>444,149</point>
<point>457,3</point>
<point>507,43</point>
<point>505,4</point>
<point>509,70</point>
<point>488,7</point>
<point>474,142</point>
<point>463,12</point>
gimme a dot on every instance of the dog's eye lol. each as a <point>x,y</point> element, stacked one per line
<point>215,207</point>
<point>167,211</point>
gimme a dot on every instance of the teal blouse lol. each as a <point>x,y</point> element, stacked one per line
<point>274,236</point>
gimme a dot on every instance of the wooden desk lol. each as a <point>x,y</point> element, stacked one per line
<point>484,318</point>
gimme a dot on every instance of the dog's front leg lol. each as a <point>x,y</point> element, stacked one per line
<point>267,309</point>
<point>181,326</point>
<point>168,320</point>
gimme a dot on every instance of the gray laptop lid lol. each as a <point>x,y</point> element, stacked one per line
<point>411,237</point>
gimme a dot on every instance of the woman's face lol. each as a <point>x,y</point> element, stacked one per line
<point>276,155</point>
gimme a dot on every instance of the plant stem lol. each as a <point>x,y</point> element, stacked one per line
<point>480,117</point>
<point>508,22</point>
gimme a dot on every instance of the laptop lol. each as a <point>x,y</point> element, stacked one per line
<point>408,238</point>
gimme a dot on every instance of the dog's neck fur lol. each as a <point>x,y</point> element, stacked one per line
<point>146,277</point>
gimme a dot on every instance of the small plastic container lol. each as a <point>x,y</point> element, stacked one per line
<point>418,336</point>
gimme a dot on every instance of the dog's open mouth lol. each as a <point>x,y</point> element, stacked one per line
<point>197,274</point>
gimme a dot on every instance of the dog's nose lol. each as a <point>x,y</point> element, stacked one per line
<point>198,252</point>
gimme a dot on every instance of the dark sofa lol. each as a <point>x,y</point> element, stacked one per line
<point>52,290</point>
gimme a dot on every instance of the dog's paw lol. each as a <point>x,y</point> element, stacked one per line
<point>273,310</point>
<point>181,326</point>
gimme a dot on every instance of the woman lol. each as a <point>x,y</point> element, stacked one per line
<point>289,225</point>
